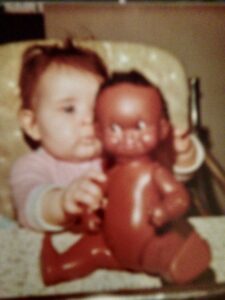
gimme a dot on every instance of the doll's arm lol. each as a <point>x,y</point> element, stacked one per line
<point>175,199</point>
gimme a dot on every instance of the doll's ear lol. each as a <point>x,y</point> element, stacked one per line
<point>164,128</point>
<point>28,124</point>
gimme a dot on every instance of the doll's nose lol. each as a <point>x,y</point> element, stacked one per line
<point>130,137</point>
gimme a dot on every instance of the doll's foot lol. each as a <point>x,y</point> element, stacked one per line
<point>191,261</point>
<point>81,259</point>
<point>50,263</point>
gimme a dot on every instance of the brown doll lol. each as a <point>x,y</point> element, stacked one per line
<point>138,230</point>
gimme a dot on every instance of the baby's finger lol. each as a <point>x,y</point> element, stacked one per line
<point>182,144</point>
<point>75,204</point>
<point>87,200</point>
<point>181,133</point>
<point>72,207</point>
<point>186,157</point>
<point>96,176</point>
<point>91,188</point>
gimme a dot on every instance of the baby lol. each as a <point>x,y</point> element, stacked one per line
<point>60,178</point>
<point>55,182</point>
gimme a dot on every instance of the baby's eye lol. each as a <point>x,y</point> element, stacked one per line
<point>69,109</point>
<point>141,125</point>
<point>116,128</point>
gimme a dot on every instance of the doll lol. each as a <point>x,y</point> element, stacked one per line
<point>138,229</point>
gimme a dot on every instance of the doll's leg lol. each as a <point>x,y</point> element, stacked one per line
<point>177,258</point>
<point>191,260</point>
<point>159,253</point>
<point>84,257</point>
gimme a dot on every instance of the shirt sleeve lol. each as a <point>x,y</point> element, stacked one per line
<point>33,209</point>
<point>29,182</point>
<point>186,173</point>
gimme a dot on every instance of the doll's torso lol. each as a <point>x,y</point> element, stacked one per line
<point>132,194</point>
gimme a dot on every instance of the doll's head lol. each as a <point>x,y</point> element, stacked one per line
<point>58,90</point>
<point>131,115</point>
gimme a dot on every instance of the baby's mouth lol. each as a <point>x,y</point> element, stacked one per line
<point>89,139</point>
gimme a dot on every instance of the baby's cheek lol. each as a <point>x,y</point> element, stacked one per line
<point>66,133</point>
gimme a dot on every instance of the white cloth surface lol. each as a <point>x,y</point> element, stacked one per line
<point>20,272</point>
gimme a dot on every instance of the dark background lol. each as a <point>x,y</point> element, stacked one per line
<point>20,26</point>
<point>29,26</point>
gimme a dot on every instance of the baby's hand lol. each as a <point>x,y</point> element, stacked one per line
<point>84,193</point>
<point>184,148</point>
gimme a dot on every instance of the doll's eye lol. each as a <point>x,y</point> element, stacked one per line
<point>141,125</point>
<point>116,128</point>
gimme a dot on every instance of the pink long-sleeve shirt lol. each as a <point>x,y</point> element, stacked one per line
<point>34,174</point>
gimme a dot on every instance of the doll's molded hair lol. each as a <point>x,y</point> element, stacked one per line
<point>133,77</point>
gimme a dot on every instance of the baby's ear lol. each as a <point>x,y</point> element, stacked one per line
<point>28,124</point>
<point>165,128</point>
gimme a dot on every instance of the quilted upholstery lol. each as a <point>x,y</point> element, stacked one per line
<point>162,68</point>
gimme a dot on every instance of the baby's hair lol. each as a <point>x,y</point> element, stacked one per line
<point>37,58</point>
<point>134,77</point>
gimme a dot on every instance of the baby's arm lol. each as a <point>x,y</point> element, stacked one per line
<point>175,199</point>
<point>41,205</point>
<point>189,155</point>
<point>29,181</point>
<point>83,195</point>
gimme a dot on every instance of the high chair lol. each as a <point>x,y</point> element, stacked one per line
<point>21,247</point>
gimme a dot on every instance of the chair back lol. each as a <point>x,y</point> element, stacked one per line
<point>159,66</point>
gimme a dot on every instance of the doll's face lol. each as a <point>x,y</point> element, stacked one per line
<point>130,119</point>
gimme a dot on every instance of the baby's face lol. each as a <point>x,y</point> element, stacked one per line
<point>129,119</point>
<point>65,99</point>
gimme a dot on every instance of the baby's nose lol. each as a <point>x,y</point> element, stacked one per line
<point>87,119</point>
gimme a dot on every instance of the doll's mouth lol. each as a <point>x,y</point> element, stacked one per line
<point>129,150</point>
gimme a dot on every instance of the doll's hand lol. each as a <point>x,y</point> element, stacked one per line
<point>159,216</point>
<point>184,149</point>
<point>84,193</point>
